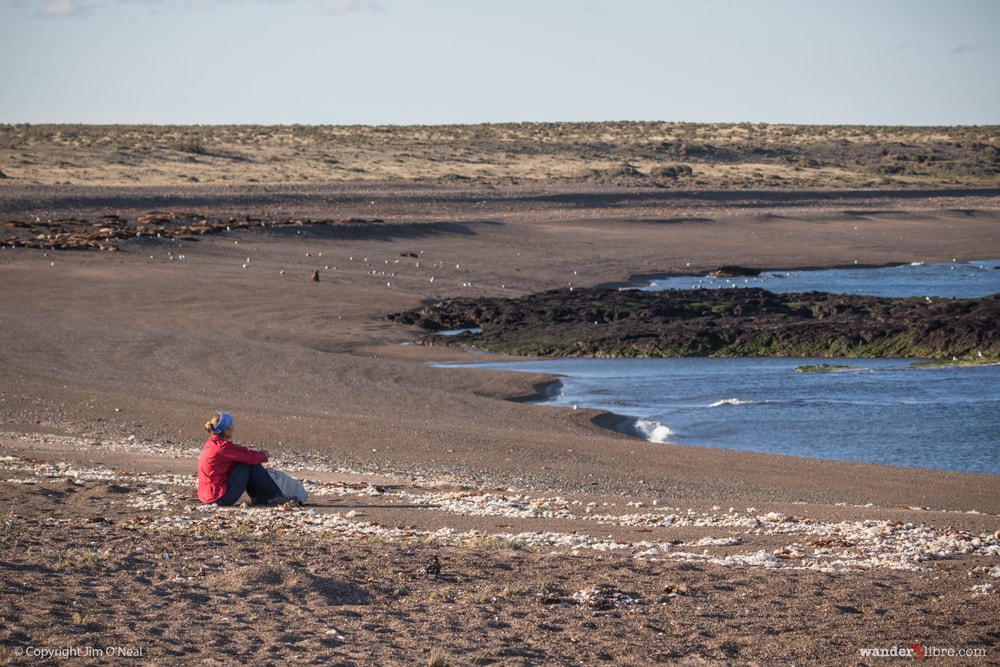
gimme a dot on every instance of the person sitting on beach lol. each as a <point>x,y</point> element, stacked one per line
<point>226,470</point>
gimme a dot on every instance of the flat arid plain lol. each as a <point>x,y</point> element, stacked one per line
<point>154,275</point>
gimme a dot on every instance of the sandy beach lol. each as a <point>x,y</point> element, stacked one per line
<point>559,541</point>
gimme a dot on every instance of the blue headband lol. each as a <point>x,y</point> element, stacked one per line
<point>225,421</point>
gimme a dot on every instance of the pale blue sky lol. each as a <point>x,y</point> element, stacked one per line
<point>401,62</point>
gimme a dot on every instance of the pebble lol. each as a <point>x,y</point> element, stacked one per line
<point>827,546</point>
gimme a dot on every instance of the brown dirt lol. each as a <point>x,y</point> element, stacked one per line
<point>148,341</point>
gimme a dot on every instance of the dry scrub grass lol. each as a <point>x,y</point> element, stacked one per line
<point>622,153</point>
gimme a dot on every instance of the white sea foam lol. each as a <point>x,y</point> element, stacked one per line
<point>730,401</point>
<point>651,430</point>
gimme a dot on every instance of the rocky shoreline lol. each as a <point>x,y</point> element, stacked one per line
<point>726,322</point>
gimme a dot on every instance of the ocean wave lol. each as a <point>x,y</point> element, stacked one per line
<point>553,390</point>
<point>731,401</point>
<point>651,430</point>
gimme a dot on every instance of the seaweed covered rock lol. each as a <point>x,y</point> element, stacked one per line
<point>725,322</point>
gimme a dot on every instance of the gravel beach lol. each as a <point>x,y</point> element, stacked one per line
<point>449,522</point>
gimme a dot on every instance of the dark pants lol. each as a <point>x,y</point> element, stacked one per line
<point>254,480</point>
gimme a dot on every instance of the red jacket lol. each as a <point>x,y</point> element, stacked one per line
<point>218,458</point>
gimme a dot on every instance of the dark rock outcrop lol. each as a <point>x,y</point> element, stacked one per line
<point>735,272</point>
<point>108,231</point>
<point>725,322</point>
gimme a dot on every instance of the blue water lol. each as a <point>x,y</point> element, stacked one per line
<point>968,280</point>
<point>877,411</point>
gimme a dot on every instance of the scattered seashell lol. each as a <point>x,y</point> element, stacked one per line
<point>163,502</point>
